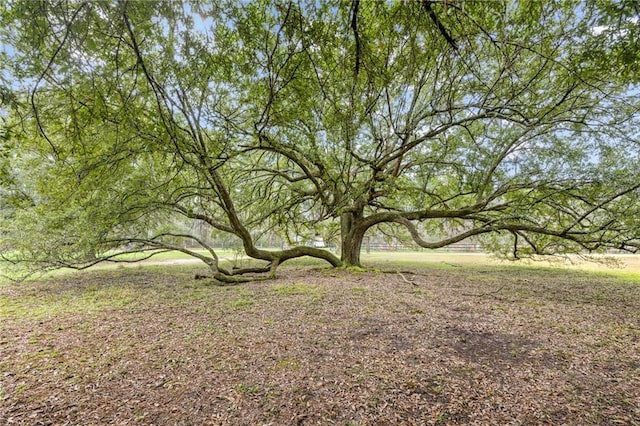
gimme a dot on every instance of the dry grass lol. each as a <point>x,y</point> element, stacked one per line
<point>467,344</point>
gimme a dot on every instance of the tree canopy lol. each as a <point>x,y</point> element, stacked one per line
<point>511,122</point>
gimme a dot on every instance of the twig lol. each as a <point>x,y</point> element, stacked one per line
<point>406,280</point>
<point>401,274</point>
<point>485,294</point>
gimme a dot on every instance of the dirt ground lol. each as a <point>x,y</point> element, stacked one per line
<point>437,346</point>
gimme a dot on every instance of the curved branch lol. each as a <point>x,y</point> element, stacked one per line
<point>193,215</point>
<point>442,243</point>
<point>154,242</point>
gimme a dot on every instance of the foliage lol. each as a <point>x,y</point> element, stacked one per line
<point>494,120</point>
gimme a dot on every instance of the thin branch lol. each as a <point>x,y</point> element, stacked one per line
<point>445,33</point>
<point>356,34</point>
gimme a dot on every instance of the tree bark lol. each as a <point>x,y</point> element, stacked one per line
<point>352,236</point>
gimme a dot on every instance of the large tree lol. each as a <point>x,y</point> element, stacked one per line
<point>496,120</point>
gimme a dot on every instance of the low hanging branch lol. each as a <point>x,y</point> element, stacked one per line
<point>443,243</point>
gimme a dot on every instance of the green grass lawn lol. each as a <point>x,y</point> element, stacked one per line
<point>622,265</point>
<point>619,264</point>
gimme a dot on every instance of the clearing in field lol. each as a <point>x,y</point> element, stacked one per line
<point>441,343</point>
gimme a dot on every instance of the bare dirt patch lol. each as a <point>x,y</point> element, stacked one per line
<point>319,346</point>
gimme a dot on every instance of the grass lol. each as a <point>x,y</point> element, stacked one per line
<point>90,300</point>
<point>178,255</point>
<point>96,297</point>
<point>226,256</point>
<point>88,292</point>
<point>620,265</point>
<point>295,289</point>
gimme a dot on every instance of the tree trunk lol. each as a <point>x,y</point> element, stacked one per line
<point>352,236</point>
